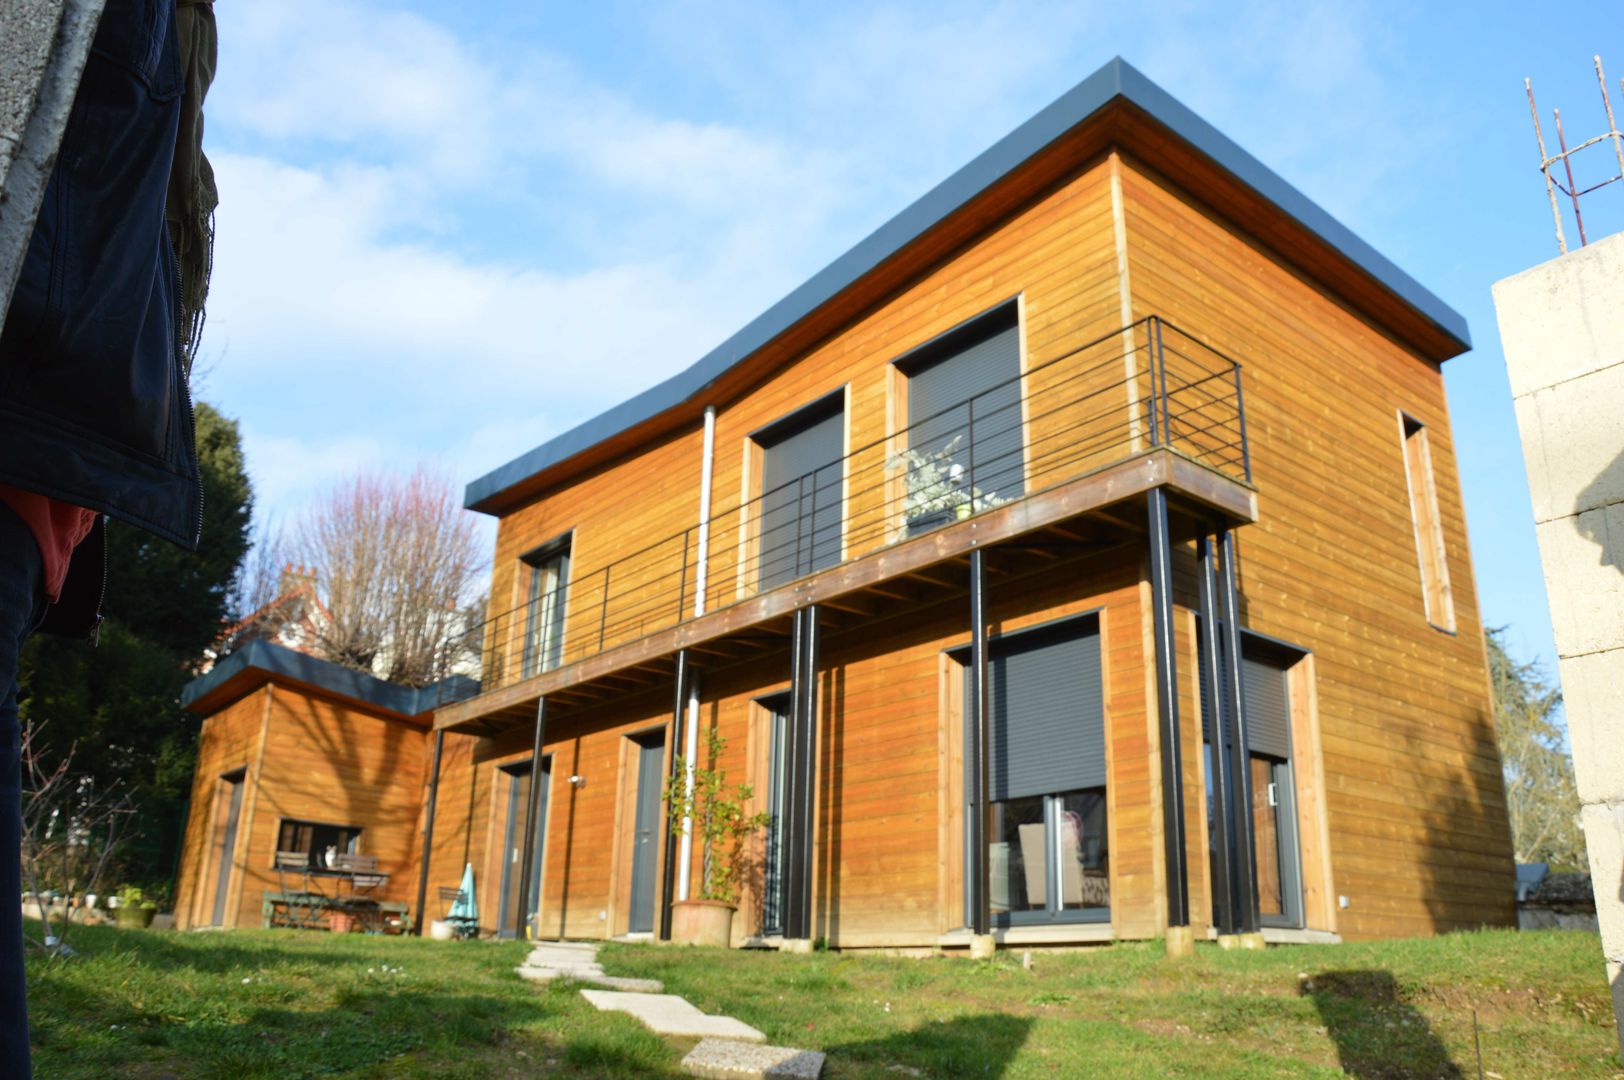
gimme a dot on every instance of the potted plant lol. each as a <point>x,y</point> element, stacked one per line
<point>134,911</point>
<point>938,492</point>
<point>722,826</point>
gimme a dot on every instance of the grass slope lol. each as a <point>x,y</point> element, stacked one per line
<point>277,1003</point>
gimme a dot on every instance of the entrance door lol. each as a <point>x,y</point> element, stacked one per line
<point>518,808</point>
<point>772,885</point>
<point>228,843</point>
<point>646,844</point>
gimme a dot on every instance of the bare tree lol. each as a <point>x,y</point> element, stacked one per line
<point>70,836</point>
<point>397,560</point>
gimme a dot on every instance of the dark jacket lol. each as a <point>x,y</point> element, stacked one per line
<point>94,406</point>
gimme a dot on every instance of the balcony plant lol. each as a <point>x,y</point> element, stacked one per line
<point>938,491</point>
<point>723,827</point>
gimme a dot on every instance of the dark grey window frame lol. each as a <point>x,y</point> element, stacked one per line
<point>538,857</point>
<point>999,407</point>
<point>1051,915</point>
<point>819,500</point>
<point>558,548</point>
<point>1282,771</point>
<point>777,707</point>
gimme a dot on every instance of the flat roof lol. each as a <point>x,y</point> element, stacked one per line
<point>260,662</point>
<point>1117,80</point>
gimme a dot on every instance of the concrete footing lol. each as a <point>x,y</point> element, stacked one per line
<point>1242,941</point>
<point>983,946</point>
<point>798,946</point>
<point>1180,941</point>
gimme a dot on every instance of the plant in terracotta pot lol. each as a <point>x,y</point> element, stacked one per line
<point>722,827</point>
<point>134,911</point>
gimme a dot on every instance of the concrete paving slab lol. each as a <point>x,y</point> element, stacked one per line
<point>608,982</point>
<point>722,1059</point>
<point>668,1014</point>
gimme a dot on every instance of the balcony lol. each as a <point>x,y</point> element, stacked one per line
<point>1061,460</point>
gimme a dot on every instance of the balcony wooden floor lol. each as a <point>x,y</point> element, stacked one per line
<point>1100,509</point>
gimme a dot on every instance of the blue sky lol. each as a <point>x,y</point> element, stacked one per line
<point>449,232</point>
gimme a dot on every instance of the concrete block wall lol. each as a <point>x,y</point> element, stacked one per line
<point>1562,325</point>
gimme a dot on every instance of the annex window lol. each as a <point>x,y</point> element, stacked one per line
<point>317,841</point>
<point>1429,532</point>
<point>965,450</point>
<point>802,515</point>
<point>1048,853</point>
<point>545,607</point>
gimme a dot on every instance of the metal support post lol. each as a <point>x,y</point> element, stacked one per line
<point>978,915</point>
<point>1245,861</point>
<point>668,877</point>
<point>428,835</point>
<point>1212,686</point>
<point>1167,706</point>
<point>791,824</point>
<point>527,860</point>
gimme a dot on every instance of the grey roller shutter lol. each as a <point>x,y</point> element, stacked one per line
<point>1263,691</point>
<point>1268,719</point>
<point>1046,730</point>
<point>801,511</point>
<point>974,375</point>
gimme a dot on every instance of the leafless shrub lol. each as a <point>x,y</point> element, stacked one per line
<point>70,836</point>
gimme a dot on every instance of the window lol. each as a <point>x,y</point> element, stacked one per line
<point>316,840</point>
<point>772,885</point>
<point>1048,847</point>
<point>802,516</point>
<point>545,609</point>
<point>964,421</point>
<point>1429,532</point>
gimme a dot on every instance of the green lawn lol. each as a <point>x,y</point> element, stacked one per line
<point>281,1003</point>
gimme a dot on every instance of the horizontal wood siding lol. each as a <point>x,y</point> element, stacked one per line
<point>227,741</point>
<point>1418,833</point>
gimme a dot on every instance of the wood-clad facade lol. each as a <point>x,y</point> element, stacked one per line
<point>1211,617</point>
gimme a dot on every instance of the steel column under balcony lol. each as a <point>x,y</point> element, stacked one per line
<point>428,833</point>
<point>1214,683</point>
<point>977,889</point>
<point>533,803</point>
<point>668,876</point>
<point>1245,859</point>
<point>1167,708</point>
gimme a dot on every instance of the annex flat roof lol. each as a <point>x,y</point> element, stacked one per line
<point>259,662</point>
<point>1117,81</point>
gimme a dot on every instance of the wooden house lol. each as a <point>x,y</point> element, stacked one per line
<point>1079,557</point>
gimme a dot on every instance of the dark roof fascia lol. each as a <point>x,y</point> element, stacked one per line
<point>1117,79</point>
<point>262,661</point>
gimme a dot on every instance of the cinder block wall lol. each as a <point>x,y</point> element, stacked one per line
<point>1562,325</point>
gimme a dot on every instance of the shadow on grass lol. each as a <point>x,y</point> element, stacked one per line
<point>1377,1035</point>
<point>965,1046</point>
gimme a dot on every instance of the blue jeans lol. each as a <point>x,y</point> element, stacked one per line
<point>21,607</point>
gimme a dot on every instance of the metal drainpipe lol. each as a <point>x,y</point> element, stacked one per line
<point>690,750</point>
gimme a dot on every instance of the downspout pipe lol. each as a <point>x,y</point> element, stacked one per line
<point>690,749</point>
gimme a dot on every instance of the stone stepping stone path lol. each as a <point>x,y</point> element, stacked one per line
<point>578,961</point>
<point>722,1059</point>
<point>668,1014</point>
<point>728,1049</point>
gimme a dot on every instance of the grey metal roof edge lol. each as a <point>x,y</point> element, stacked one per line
<point>274,659</point>
<point>1117,78</point>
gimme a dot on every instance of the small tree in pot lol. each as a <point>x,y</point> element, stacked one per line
<point>722,826</point>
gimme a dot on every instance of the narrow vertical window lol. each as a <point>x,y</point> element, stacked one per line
<point>1429,532</point>
<point>545,607</point>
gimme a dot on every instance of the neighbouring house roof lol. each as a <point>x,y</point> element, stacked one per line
<point>1115,84</point>
<point>259,662</point>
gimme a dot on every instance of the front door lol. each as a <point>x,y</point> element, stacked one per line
<point>228,844</point>
<point>772,885</point>
<point>646,846</point>
<point>514,835</point>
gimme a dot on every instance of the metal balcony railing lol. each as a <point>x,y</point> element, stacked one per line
<point>1147,385</point>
